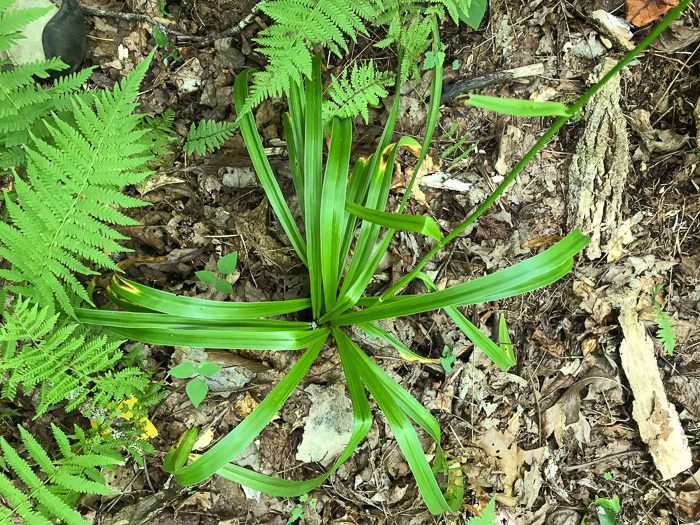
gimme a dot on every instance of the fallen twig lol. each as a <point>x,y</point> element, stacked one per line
<point>463,86</point>
<point>200,42</point>
<point>162,23</point>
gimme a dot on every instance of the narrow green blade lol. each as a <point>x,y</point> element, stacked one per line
<point>502,358</point>
<point>313,181</point>
<point>332,206</point>
<point>232,338</point>
<point>168,322</point>
<point>294,162</point>
<point>519,108</point>
<point>297,119</point>
<point>168,303</point>
<point>395,403</point>
<point>240,437</point>
<point>373,330</point>
<point>362,421</point>
<point>536,272</point>
<point>360,174</point>
<point>412,223</point>
<point>262,166</point>
<point>359,186</point>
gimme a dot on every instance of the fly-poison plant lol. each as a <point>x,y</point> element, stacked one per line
<point>333,207</point>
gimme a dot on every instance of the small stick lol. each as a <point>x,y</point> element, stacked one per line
<point>161,23</point>
<point>463,86</point>
<point>200,42</point>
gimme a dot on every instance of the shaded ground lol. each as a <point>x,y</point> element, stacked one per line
<point>549,436</point>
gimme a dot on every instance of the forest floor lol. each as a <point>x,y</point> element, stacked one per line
<point>595,408</point>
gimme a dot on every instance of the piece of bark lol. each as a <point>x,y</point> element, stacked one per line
<point>599,169</point>
<point>659,425</point>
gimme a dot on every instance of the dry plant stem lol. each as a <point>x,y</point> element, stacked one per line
<point>672,15</point>
<point>497,77</point>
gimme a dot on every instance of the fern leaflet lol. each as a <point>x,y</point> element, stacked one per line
<point>54,494</point>
<point>208,134</point>
<point>666,332</point>
<point>12,21</point>
<point>299,25</point>
<point>351,96</point>
<point>488,517</point>
<point>59,223</point>
<point>65,361</point>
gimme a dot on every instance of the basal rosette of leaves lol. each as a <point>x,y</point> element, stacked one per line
<point>333,207</point>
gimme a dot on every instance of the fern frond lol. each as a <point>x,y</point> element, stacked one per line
<point>299,25</point>
<point>208,134</point>
<point>12,21</point>
<point>666,332</point>
<point>52,495</point>
<point>59,222</point>
<point>351,96</point>
<point>160,132</point>
<point>65,360</point>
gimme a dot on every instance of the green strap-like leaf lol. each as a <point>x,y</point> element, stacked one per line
<point>262,166</point>
<point>373,330</point>
<point>167,322</point>
<point>240,437</point>
<point>362,421</point>
<point>536,272</point>
<point>519,108</point>
<point>313,182</point>
<point>165,302</point>
<point>411,223</point>
<point>332,206</point>
<point>395,404</point>
<point>241,339</point>
<point>476,336</point>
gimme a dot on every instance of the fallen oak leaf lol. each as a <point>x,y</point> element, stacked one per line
<point>642,12</point>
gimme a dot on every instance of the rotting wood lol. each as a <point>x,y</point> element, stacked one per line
<point>599,169</point>
<point>659,425</point>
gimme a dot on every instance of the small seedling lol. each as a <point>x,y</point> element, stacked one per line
<point>463,153</point>
<point>663,319</point>
<point>297,512</point>
<point>162,42</point>
<point>196,388</point>
<point>607,476</point>
<point>160,7</point>
<point>455,65</point>
<point>447,359</point>
<point>607,510</point>
<point>226,265</point>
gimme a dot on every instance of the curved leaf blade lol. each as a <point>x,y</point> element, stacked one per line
<point>533,273</point>
<point>519,108</point>
<point>192,307</point>
<point>412,223</point>
<point>240,437</point>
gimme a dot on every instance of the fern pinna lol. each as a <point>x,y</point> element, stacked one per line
<point>66,361</point>
<point>23,107</point>
<point>301,24</point>
<point>59,222</point>
<point>48,490</point>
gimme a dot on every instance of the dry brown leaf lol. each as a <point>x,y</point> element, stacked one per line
<point>690,502</point>
<point>246,405</point>
<point>642,12</point>
<point>511,458</point>
<point>541,241</point>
